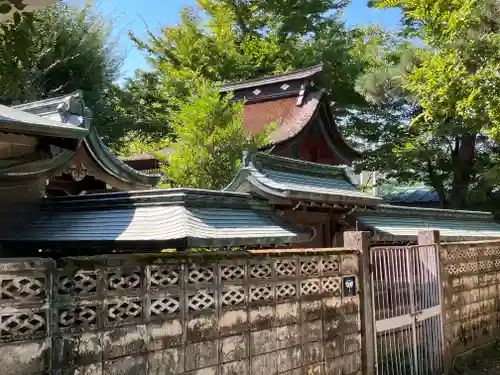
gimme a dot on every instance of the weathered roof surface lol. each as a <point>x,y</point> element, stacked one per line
<point>408,194</point>
<point>288,118</point>
<point>288,101</point>
<point>292,103</point>
<point>288,179</point>
<point>70,109</point>
<point>132,178</point>
<point>396,223</point>
<point>156,219</point>
<point>14,120</point>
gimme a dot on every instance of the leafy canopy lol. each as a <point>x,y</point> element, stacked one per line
<point>230,40</point>
<point>445,89</point>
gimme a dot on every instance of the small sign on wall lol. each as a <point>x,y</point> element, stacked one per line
<point>349,286</point>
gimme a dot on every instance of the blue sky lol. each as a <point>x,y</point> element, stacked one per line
<point>138,15</point>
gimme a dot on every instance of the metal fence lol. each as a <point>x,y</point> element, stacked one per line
<point>407,310</point>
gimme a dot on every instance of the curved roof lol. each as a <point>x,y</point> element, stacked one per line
<point>13,120</point>
<point>286,180</point>
<point>299,74</point>
<point>179,218</point>
<point>52,142</point>
<point>71,110</point>
<point>292,102</point>
<point>401,223</point>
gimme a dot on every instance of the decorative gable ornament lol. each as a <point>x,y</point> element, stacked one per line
<point>78,171</point>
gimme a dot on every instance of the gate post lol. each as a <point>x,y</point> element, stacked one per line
<point>428,237</point>
<point>361,241</point>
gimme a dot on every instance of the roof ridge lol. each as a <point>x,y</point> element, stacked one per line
<point>159,197</point>
<point>293,184</point>
<point>270,79</point>
<point>410,210</point>
<point>70,103</point>
<point>283,162</point>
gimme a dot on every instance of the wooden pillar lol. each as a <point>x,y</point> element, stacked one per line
<point>361,241</point>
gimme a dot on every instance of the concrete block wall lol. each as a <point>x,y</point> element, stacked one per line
<point>470,277</point>
<point>268,312</point>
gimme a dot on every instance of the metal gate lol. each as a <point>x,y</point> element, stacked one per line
<point>407,310</point>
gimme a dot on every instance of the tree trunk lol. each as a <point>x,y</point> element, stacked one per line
<point>463,164</point>
<point>437,184</point>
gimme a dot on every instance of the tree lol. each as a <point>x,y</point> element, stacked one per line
<point>57,50</point>
<point>209,139</point>
<point>447,89</point>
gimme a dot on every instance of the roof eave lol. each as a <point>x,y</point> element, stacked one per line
<point>116,167</point>
<point>347,152</point>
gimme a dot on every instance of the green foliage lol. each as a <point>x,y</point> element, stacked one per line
<point>16,6</point>
<point>57,50</point>
<point>136,142</point>
<point>448,90</point>
<point>209,139</point>
<point>231,40</point>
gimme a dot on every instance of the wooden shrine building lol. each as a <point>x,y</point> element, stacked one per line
<point>325,199</point>
<point>150,221</point>
<point>304,126</point>
<point>44,140</point>
<point>51,146</point>
<point>311,195</point>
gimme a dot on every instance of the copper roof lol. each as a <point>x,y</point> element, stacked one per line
<point>299,74</point>
<point>287,181</point>
<point>71,111</point>
<point>155,219</point>
<point>287,116</point>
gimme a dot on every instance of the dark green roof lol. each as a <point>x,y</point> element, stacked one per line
<point>400,223</point>
<point>155,219</point>
<point>71,109</point>
<point>286,179</point>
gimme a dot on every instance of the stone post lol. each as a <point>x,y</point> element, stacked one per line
<point>428,237</point>
<point>361,241</point>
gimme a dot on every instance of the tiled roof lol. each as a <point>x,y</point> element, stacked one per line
<point>15,120</point>
<point>395,223</point>
<point>156,219</point>
<point>291,179</point>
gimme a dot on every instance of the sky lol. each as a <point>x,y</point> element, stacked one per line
<point>137,16</point>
